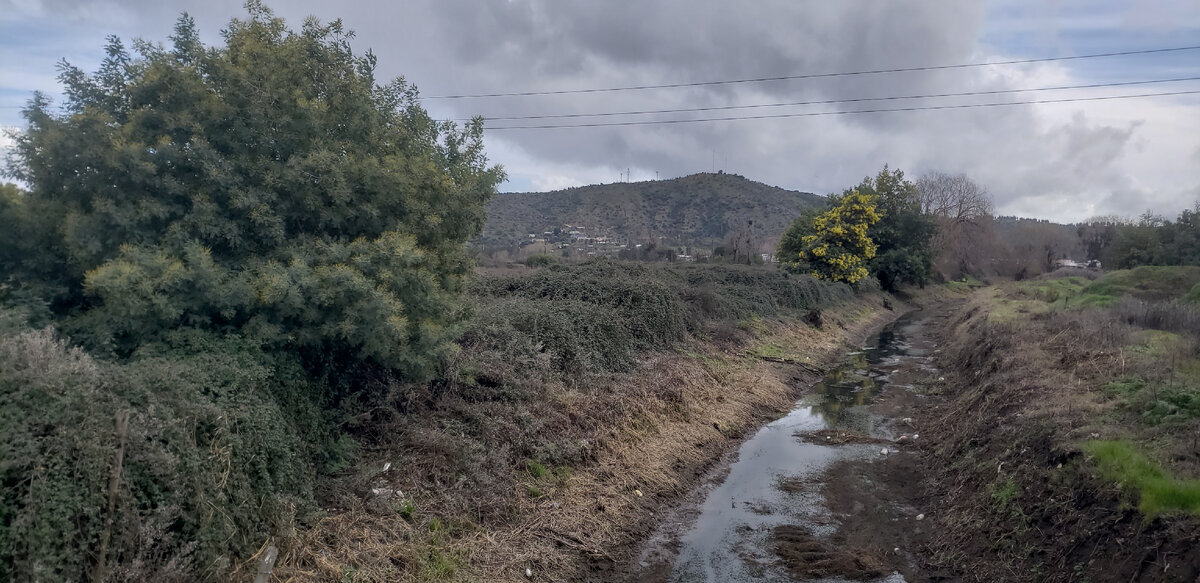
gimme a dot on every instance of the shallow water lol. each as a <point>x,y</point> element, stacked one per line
<point>730,540</point>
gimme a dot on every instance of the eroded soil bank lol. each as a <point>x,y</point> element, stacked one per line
<point>831,490</point>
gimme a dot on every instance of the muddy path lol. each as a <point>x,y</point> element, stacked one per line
<point>831,491</point>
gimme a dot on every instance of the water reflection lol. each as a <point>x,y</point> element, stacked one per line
<point>730,540</point>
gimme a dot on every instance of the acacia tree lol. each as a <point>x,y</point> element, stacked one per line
<point>839,248</point>
<point>267,188</point>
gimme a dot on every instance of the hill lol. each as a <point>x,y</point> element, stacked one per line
<point>696,210</point>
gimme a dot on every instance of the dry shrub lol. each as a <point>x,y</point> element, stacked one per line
<point>1172,316</point>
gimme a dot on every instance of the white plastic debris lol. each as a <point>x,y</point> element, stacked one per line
<point>638,492</point>
<point>916,435</point>
<point>896,550</point>
<point>387,466</point>
<point>920,517</point>
<point>883,451</point>
<point>528,573</point>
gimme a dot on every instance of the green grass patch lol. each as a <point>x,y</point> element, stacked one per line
<point>1051,291</point>
<point>1003,493</point>
<point>1121,462</point>
<point>1194,295</point>
<point>536,469</point>
<point>1146,283</point>
<point>1176,400</point>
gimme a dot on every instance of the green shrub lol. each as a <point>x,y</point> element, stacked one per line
<point>211,467</point>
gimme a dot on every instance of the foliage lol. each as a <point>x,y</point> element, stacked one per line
<point>267,187</point>
<point>211,465</point>
<point>791,244</point>
<point>573,319</point>
<point>838,248</point>
<point>903,233</point>
<point>1149,240</point>
<point>1159,492</point>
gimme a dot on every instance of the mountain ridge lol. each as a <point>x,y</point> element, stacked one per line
<point>694,210</point>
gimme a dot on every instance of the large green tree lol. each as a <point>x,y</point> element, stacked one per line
<point>903,234</point>
<point>269,188</point>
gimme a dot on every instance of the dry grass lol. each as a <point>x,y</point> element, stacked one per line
<point>1026,392</point>
<point>643,439</point>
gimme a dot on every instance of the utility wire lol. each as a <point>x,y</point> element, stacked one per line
<point>824,113</point>
<point>813,75</point>
<point>832,101</point>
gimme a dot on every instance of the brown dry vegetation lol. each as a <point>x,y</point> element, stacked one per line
<point>1030,385</point>
<point>641,438</point>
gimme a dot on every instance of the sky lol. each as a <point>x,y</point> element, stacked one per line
<point>1059,161</point>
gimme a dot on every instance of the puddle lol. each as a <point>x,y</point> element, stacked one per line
<point>727,536</point>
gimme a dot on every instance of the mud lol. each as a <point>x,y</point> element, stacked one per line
<point>832,490</point>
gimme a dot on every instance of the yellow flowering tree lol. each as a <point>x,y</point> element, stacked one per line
<point>838,248</point>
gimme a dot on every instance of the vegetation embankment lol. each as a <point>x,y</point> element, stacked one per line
<point>585,397</point>
<point>578,397</point>
<point>1069,440</point>
<point>236,309</point>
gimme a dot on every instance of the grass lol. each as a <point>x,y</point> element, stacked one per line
<point>536,468</point>
<point>1003,493</point>
<point>1146,283</point>
<point>1121,462</point>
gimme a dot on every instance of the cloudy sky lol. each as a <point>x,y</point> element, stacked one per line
<point>1063,161</point>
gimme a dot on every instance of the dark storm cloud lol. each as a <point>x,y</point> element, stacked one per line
<point>1051,160</point>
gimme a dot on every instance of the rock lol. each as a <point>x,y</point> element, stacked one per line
<point>638,492</point>
<point>920,517</point>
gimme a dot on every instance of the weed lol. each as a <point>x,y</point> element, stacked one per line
<point>407,509</point>
<point>439,565</point>
<point>1003,493</point>
<point>534,492</point>
<point>536,469</point>
<point>1121,462</point>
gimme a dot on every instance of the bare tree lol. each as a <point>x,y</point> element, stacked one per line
<point>965,242</point>
<point>954,197</point>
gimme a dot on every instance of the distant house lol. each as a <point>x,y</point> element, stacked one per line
<point>1061,263</point>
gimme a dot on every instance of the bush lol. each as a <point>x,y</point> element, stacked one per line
<point>644,302</point>
<point>210,466</point>
<point>576,335</point>
<point>570,319</point>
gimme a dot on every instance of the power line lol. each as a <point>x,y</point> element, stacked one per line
<point>832,101</point>
<point>824,113</point>
<point>813,75</point>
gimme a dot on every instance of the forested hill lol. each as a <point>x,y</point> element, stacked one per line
<point>699,209</point>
